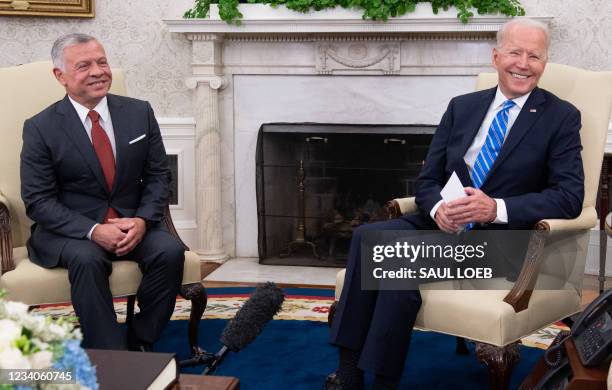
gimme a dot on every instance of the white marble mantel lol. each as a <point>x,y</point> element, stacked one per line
<point>326,67</point>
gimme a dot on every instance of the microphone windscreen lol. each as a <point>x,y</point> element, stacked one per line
<point>253,316</point>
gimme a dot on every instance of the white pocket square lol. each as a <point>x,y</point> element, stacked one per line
<point>137,139</point>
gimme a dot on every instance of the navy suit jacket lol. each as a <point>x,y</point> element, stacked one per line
<point>538,172</point>
<point>62,184</point>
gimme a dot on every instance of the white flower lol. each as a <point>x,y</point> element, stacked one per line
<point>15,310</point>
<point>41,359</point>
<point>57,330</point>
<point>9,332</point>
<point>34,323</point>
<point>12,358</point>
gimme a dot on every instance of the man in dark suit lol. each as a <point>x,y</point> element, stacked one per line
<point>517,147</point>
<point>95,181</point>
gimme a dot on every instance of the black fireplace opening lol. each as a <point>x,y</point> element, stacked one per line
<point>316,183</point>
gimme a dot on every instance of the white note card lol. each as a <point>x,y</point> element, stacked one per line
<point>453,189</point>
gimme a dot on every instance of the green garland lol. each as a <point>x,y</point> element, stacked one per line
<point>372,9</point>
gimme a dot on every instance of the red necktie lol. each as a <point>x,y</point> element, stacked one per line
<point>104,151</point>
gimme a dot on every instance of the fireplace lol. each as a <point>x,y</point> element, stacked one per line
<point>316,183</point>
<point>282,66</point>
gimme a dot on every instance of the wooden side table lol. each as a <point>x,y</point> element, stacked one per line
<point>579,376</point>
<point>207,382</point>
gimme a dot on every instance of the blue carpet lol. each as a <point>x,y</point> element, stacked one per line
<point>297,355</point>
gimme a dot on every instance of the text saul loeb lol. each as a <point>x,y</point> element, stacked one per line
<point>434,273</point>
<point>410,253</point>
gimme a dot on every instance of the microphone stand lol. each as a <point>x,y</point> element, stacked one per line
<point>217,359</point>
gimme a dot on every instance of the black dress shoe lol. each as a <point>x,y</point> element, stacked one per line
<point>136,344</point>
<point>333,382</point>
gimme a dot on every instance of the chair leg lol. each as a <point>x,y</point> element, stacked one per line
<point>500,361</point>
<point>129,315</point>
<point>196,293</point>
<point>461,348</point>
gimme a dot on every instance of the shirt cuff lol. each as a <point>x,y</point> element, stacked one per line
<point>432,213</point>
<point>502,213</point>
<point>91,231</point>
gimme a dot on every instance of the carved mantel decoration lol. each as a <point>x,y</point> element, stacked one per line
<point>383,60</point>
<point>286,45</point>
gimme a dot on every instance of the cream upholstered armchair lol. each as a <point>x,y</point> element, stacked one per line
<point>26,90</point>
<point>497,319</point>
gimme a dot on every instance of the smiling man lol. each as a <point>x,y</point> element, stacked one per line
<point>95,181</point>
<point>516,149</point>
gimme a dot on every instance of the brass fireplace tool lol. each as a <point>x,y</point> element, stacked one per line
<point>300,231</point>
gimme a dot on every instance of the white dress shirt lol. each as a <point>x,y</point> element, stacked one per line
<point>105,122</point>
<point>472,153</point>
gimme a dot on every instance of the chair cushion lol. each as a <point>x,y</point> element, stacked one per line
<point>482,315</point>
<point>35,285</point>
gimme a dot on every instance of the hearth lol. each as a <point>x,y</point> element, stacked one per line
<point>317,182</point>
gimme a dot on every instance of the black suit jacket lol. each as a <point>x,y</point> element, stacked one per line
<point>62,184</point>
<point>538,172</point>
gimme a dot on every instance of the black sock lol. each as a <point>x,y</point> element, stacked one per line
<point>350,375</point>
<point>386,383</point>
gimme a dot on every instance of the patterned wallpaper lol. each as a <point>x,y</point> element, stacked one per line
<point>135,39</point>
<point>157,62</point>
<point>578,31</point>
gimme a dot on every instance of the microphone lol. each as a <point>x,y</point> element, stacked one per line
<point>253,316</point>
<point>248,322</point>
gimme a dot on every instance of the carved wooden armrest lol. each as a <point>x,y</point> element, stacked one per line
<point>519,295</point>
<point>393,209</point>
<point>6,240</point>
<point>396,207</point>
<point>167,220</point>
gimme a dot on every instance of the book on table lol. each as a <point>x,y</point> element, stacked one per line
<point>134,370</point>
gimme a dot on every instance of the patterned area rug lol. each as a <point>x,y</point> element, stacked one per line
<point>300,304</point>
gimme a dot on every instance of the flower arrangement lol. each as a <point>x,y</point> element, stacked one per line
<point>37,351</point>
<point>372,9</point>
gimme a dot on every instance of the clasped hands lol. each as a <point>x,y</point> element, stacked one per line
<point>476,207</point>
<point>119,235</point>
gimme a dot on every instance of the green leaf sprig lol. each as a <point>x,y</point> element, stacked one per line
<point>372,9</point>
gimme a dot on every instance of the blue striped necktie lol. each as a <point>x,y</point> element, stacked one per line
<point>490,150</point>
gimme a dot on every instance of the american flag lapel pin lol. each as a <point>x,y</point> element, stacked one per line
<point>532,110</point>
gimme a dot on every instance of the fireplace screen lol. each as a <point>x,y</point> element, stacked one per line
<point>316,183</point>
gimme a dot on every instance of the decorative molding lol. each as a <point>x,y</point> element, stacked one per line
<point>458,36</point>
<point>178,134</point>
<point>385,57</point>
<point>204,37</point>
<point>194,26</point>
<point>177,128</point>
<point>214,82</point>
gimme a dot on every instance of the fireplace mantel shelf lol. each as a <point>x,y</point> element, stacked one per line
<point>260,18</point>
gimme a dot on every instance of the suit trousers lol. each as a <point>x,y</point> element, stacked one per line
<point>160,258</point>
<point>377,323</point>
